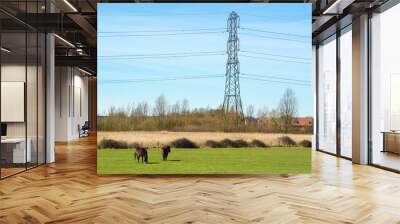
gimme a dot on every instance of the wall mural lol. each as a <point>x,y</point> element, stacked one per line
<point>204,88</point>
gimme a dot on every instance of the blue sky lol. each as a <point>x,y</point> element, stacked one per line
<point>144,19</point>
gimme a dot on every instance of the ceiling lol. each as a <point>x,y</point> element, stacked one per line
<point>75,21</point>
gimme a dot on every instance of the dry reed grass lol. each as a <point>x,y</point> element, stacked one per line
<point>158,138</point>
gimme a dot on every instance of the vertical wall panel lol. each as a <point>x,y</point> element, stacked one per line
<point>346,93</point>
<point>327,96</point>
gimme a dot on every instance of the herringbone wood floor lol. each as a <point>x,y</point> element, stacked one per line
<point>70,191</point>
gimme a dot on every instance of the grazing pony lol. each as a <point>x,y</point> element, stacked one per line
<point>141,152</point>
<point>165,150</point>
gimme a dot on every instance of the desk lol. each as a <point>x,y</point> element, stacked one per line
<point>13,150</point>
<point>391,141</point>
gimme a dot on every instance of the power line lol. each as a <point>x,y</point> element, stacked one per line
<point>275,81</point>
<point>222,29</point>
<point>273,32</point>
<point>162,54</point>
<point>163,76</point>
<point>162,34</point>
<point>129,81</point>
<point>195,54</point>
<point>276,55</point>
<point>166,57</point>
<point>275,77</point>
<point>274,59</point>
<point>169,13</point>
<point>174,77</point>
<point>119,81</point>
<point>190,31</point>
<point>149,33</point>
<point>276,38</point>
<point>268,16</point>
<point>163,31</point>
<point>183,55</point>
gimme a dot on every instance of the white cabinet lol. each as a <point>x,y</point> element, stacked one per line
<point>19,154</point>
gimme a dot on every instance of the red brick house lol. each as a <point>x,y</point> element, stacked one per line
<point>303,122</point>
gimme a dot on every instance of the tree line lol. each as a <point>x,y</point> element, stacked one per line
<point>180,117</point>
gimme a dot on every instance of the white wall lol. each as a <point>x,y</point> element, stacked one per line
<point>16,73</point>
<point>33,126</point>
<point>71,87</point>
<point>61,103</point>
<point>80,108</point>
<point>12,73</point>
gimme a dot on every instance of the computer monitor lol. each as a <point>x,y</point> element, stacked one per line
<point>3,129</point>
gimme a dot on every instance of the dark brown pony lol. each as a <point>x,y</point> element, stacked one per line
<point>141,152</point>
<point>165,150</point>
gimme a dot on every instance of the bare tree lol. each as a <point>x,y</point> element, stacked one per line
<point>287,110</point>
<point>120,111</point>
<point>145,109</point>
<point>130,109</point>
<point>175,112</point>
<point>250,111</point>
<point>160,111</point>
<point>176,108</point>
<point>263,112</point>
<point>274,121</point>
<point>160,108</point>
<point>142,109</point>
<point>185,106</point>
<point>111,110</point>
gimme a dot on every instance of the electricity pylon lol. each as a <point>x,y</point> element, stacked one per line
<point>232,105</point>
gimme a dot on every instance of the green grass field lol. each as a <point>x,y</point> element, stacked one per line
<point>278,160</point>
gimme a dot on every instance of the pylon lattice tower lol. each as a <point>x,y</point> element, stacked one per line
<point>232,102</point>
